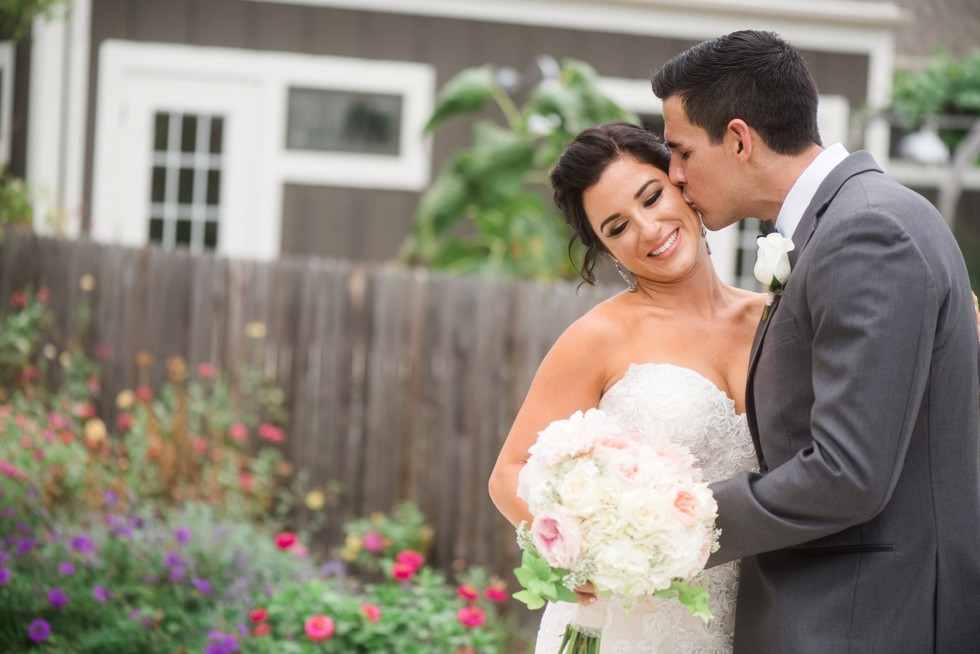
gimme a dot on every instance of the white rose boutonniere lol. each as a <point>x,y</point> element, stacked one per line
<point>772,266</point>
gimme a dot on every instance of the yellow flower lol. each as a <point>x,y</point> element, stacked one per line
<point>65,359</point>
<point>95,432</point>
<point>377,518</point>
<point>87,283</point>
<point>50,352</point>
<point>315,500</point>
<point>177,368</point>
<point>144,359</point>
<point>353,543</point>
<point>255,330</point>
<point>125,399</point>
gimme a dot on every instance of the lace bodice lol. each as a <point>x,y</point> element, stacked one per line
<point>690,410</point>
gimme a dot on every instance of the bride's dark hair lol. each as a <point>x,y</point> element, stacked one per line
<point>579,168</point>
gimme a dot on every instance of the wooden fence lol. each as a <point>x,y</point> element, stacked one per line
<point>401,384</point>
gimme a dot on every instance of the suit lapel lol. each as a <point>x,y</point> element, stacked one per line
<point>857,163</point>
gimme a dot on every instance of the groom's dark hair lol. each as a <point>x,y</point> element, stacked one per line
<point>752,75</point>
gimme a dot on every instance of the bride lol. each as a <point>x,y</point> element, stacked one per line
<point>670,351</point>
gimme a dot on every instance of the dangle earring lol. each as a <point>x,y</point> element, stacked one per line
<point>704,235</point>
<point>630,280</point>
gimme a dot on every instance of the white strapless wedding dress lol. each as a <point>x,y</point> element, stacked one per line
<point>691,410</point>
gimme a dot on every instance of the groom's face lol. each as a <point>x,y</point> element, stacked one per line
<point>705,171</point>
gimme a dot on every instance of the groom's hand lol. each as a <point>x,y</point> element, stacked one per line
<point>586,594</point>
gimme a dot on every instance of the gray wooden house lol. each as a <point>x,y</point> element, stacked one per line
<point>267,128</point>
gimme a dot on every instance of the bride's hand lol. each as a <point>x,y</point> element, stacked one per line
<point>586,594</point>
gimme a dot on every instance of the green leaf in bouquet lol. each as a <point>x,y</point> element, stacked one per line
<point>694,597</point>
<point>464,93</point>
<point>533,601</point>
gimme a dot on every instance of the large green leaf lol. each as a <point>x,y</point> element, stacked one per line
<point>463,94</point>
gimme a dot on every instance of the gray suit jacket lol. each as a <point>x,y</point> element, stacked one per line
<point>862,532</point>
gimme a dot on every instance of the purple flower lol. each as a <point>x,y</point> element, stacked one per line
<point>202,585</point>
<point>67,568</point>
<point>177,574</point>
<point>24,545</point>
<point>23,528</point>
<point>100,594</point>
<point>57,597</point>
<point>4,557</point>
<point>221,643</point>
<point>331,569</point>
<point>182,535</point>
<point>110,498</point>
<point>10,512</point>
<point>39,630</point>
<point>4,576</point>
<point>82,545</point>
<point>172,560</point>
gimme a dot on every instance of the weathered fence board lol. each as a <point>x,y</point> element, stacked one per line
<point>400,384</point>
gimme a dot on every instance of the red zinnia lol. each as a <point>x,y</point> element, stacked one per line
<point>468,593</point>
<point>371,612</point>
<point>261,629</point>
<point>410,558</point>
<point>495,594</point>
<point>471,616</point>
<point>402,571</point>
<point>258,614</point>
<point>285,540</point>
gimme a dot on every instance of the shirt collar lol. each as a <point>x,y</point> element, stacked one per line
<point>800,196</point>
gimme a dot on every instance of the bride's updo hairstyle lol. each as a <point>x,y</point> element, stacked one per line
<point>579,168</point>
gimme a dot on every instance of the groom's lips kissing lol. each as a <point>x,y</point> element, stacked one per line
<point>667,245</point>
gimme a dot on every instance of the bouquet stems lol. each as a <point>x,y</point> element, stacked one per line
<point>584,632</point>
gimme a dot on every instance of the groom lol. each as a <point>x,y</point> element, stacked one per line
<point>861,533</point>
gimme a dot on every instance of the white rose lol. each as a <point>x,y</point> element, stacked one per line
<point>578,488</point>
<point>772,265</point>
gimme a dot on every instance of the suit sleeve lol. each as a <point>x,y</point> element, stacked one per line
<point>873,305</point>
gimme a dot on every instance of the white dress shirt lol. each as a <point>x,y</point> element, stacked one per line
<point>800,196</point>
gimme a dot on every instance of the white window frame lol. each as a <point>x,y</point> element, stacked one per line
<point>7,103</point>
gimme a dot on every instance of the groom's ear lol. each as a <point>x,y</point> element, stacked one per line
<point>740,139</point>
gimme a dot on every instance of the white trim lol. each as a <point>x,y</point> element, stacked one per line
<point>268,77</point>
<point>543,12</point>
<point>76,110</point>
<point>7,104</point>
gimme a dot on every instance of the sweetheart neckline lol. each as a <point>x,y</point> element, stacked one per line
<point>730,403</point>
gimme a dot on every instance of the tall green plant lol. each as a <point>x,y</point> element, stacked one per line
<point>488,211</point>
<point>944,86</point>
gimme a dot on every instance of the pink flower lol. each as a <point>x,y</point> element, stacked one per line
<point>320,627</point>
<point>271,433</point>
<point>85,410</point>
<point>495,594</point>
<point>471,616</point>
<point>373,541</point>
<point>299,550</point>
<point>124,421</point>
<point>144,393</point>
<point>686,505</point>
<point>200,445</point>
<point>410,558</point>
<point>43,294</point>
<point>468,593</point>
<point>238,432</point>
<point>103,352</point>
<point>93,384</point>
<point>258,614</point>
<point>285,540</point>
<point>205,370</point>
<point>557,535</point>
<point>10,470</point>
<point>402,571</point>
<point>26,442</point>
<point>371,612</point>
<point>246,481</point>
<point>261,629</point>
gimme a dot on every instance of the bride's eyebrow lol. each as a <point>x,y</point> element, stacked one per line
<point>643,188</point>
<point>608,220</point>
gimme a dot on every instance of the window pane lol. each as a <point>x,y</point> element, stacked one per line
<point>217,126</point>
<point>156,230</point>
<point>214,187</point>
<point>343,121</point>
<point>159,187</point>
<point>183,232</point>
<point>185,186</point>
<point>210,235</point>
<point>161,130</point>
<point>188,133</point>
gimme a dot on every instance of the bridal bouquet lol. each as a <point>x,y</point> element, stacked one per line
<point>623,509</point>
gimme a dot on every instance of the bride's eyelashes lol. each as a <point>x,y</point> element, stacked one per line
<point>652,200</point>
<point>649,202</point>
<point>618,229</point>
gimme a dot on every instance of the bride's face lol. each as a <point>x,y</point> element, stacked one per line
<point>643,221</point>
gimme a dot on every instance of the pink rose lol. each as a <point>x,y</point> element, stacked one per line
<point>687,506</point>
<point>238,432</point>
<point>557,535</point>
